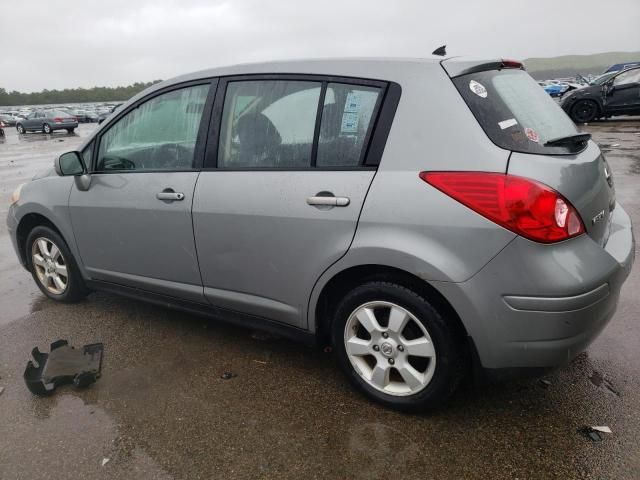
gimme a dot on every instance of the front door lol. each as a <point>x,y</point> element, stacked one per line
<point>284,201</point>
<point>624,93</point>
<point>133,224</point>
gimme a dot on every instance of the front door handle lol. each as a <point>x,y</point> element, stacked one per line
<point>328,201</point>
<point>168,195</point>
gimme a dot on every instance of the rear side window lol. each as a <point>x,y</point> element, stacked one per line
<point>346,121</point>
<point>296,124</point>
<point>515,112</point>
<point>268,124</point>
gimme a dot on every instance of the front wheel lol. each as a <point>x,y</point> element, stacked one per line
<point>584,111</point>
<point>396,347</point>
<point>53,267</point>
<point>46,128</point>
<point>20,129</point>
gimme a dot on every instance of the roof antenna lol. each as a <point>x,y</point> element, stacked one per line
<point>441,51</point>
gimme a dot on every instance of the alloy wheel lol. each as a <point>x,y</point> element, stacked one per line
<point>584,111</point>
<point>390,348</point>
<point>50,266</point>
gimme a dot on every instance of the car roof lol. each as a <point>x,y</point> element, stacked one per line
<point>375,68</point>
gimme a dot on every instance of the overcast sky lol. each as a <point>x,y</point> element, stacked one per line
<point>83,43</point>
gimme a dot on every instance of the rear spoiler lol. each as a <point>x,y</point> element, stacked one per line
<point>458,66</point>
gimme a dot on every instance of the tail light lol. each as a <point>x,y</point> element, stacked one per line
<point>57,120</point>
<point>519,204</point>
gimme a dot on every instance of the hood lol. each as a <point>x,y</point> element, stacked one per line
<point>49,172</point>
<point>592,91</point>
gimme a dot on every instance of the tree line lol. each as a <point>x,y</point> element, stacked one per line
<point>72,95</point>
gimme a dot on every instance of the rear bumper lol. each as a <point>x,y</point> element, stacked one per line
<point>63,126</point>
<point>538,306</point>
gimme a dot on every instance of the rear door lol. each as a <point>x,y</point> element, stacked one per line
<point>133,223</point>
<point>546,145</point>
<point>286,181</point>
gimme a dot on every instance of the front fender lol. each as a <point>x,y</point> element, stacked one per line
<point>49,197</point>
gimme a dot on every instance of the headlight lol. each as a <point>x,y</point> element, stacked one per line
<point>15,196</point>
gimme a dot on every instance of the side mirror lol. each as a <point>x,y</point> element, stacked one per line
<point>69,163</point>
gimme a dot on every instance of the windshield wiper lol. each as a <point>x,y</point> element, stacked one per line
<point>576,138</point>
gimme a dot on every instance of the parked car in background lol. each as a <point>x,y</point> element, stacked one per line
<point>47,121</point>
<point>618,94</point>
<point>9,120</point>
<point>326,201</point>
<point>553,89</point>
<point>80,115</point>
<point>105,114</point>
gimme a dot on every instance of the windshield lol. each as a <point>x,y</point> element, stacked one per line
<point>602,78</point>
<point>515,113</point>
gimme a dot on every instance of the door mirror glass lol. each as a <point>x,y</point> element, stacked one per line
<point>69,163</point>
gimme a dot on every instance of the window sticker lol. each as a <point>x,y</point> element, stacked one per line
<point>349,123</point>
<point>478,89</point>
<point>507,123</point>
<point>532,134</point>
<point>353,102</point>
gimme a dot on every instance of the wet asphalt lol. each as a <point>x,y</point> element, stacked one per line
<point>161,409</point>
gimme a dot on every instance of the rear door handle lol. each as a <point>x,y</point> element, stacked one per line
<point>328,201</point>
<point>169,195</point>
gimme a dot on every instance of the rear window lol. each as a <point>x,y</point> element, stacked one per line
<point>515,112</point>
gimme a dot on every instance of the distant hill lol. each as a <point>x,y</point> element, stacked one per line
<point>570,65</point>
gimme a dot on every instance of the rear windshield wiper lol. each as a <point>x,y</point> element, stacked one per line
<point>576,138</point>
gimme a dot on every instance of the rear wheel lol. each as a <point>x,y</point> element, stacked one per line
<point>396,348</point>
<point>46,128</point>
<point>70,130</point>
<point>53,267</point>
<point>584,111</point>
<point>20,129</point>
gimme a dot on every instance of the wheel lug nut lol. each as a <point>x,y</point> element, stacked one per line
<point>401,348</point>
<point>376,348</point>
<point>392,361</point>
<point>385,334</point>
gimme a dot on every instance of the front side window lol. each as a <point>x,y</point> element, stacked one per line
<point>268,124</point>
<point>346,119</point>
<point>160,134</point>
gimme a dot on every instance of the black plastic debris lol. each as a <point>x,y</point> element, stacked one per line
<point>594,433</point>
<point>65,364</point>
<point>227,375</point>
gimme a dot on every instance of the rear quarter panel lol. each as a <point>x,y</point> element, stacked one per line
<point>406,223</point>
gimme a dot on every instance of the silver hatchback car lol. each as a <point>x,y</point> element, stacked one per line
<point>421,216</point>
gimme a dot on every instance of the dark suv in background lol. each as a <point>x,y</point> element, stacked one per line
<point>619,95</point>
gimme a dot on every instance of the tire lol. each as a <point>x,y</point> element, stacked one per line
<point>70,130</point>
<point>39,251</point>
<point>46,128</point>
<point>439,374</point>
<point>20,129</point>
<point>584,111</point>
